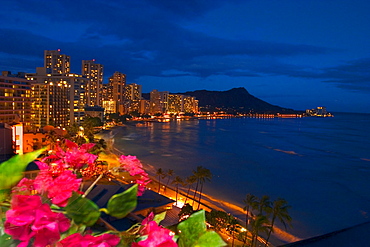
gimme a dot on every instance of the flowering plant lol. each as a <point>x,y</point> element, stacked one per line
<point>51,210</point>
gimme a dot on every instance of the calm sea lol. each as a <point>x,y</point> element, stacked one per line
<point>321,166</point>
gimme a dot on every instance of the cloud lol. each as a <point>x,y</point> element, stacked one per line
<point>146,38</point>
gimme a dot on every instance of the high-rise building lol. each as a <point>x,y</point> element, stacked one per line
<point>58,95</point>
<point>116,90</point>
<point>56,63</point>
<point>94,72</point>
<point>158,102</point>
<point>175,103</point>
<point>190,104</point>
<point>132,97</point>
<point>132,91</point>
<point>15,99</point>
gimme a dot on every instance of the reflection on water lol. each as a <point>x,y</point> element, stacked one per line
<point>320,166</point>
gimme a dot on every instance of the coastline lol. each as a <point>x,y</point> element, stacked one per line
<point>207,203</point>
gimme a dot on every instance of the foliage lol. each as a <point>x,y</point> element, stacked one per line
<point>50,210</point>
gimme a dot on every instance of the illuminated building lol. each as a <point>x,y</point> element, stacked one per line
<point>190,104</point>
<point>175,103</point>
<point>94,72</point>
<point>15,101</point>
<point>109,106</point>
<point>158,102</point>
<point>144,106</point>
<point>56,63</point>
<point>58,100</point>
<point>132,97</point>
<point>115,91</point>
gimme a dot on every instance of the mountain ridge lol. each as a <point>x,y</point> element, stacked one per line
<point>234,100</point>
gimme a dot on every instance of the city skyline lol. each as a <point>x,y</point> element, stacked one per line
<point>295,54</point>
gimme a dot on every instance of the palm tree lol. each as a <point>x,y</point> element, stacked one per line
<point>251,202</point>
<point>259,224</point>
<point>189,182</point>
<point>279,210</point>
<point>203,176</point>
<point>160,174</point>
<point>264,205</point>
<point>169,174</point>
<point>178,180</point>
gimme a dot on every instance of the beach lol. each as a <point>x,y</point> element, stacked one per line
<point>319,165</point>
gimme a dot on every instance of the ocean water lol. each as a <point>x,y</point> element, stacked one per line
<point>321,166</point>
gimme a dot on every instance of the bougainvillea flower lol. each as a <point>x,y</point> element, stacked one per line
<point>77,240</point>
<point>134,167</point>
<point>48,226</point>
<point>28,218</point>
<point>61,188</point>
<point>157,236</point>
<point>74,157</point>
<point>24,187</point>
<point>58,189</point>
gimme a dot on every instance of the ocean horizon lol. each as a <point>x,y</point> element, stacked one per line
<point>320,166</point>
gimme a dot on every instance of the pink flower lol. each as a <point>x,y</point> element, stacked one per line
<point>58,189</point>
<point>134,167</point>
<point>74,157</point>
<point>77,240</point>
<point>131,164</point>
<point>48,226</point>
<point>28,218</point>
<point>157,236</point>
<point>24,187</point>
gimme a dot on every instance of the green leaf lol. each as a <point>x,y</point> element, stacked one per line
<point>193,232</point>
<point>82,210</point>
<point>191,229</point>
<point>11,171</point>
<point>6,240</point>
<point>122,204</point>
<point>210,239</point>
<point>159,217</point>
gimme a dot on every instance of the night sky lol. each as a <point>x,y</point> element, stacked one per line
<point>293,53</point>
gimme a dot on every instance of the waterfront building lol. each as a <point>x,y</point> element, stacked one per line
<point>318,112</point>
<point>58,95</point>
<point>15,99</point>
<point>132,97</point>
<point>144,106</point>
<point>95,111</point>
<point>93,72</point>
<point>190,104</point>
<point>175,103</point>
<point>158,101</point>
<point>58,100</point>
<point>115,91</point>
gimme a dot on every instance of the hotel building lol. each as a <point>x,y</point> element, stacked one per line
<point>58,95</point>
<point>93,72</point>
<point>158,102</point>
<point>114,94</point>
<point>132,96</point>
<point>15,99</point>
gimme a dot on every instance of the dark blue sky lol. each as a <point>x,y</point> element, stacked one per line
<point>293,53</point>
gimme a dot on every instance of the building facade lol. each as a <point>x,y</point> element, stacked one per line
<point>56,63</point>
<point>93,72</point>
<point>175,103</point>
<point>15,99</point>
<point>158,102</point>
<point>116,91</point>
<point>58,95</point>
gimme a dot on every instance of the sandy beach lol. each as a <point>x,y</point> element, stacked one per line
<point>207,202</point>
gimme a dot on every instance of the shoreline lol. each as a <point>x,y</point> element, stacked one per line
<point>207,201</point>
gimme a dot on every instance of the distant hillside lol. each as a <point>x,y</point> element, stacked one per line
<point>236,99</point>
<point>233,100</point>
